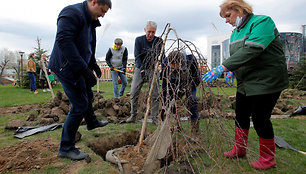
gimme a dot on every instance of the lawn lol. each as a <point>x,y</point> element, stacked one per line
<point>14,96</point>
<point>216,134</point>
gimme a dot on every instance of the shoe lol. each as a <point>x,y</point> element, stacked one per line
<point>74,154</point>
<point>267,154</point>
<point>35,92</point>
<point>48,90</point>
<point>97,124</point>
<point>131,119</point>
<point>195,123</point>
<point>44,90</point>
<point>241,140</point>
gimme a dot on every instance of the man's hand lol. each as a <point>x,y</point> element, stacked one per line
<point>213,74</point>
<point>143,74</point>
<point>229,78</point>
<point>97,69</point>
<point>112,68</point>
<point>89,77</point>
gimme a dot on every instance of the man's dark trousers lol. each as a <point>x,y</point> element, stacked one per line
<point>81,97</point>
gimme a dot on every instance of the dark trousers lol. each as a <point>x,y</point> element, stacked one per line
<point>193,103</point>
<point>43,81</point>
<point>259,107</point>
<point>191,96</point>
<point>81,98</point>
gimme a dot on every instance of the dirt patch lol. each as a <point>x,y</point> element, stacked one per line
<point>18,109</point>
<point>302,117</point>
<point>28,155</point>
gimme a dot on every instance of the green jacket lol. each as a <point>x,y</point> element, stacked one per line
<point>257,58</point>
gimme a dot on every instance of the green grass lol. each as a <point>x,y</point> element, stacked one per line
<point>14,96</point>
<point>217,135</point>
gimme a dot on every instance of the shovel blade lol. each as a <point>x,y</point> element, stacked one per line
<point>282,143</point>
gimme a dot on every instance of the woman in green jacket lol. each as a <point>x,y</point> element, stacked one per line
<point>258,62</point>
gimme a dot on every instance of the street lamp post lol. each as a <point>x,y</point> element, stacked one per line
<point>21,66</point>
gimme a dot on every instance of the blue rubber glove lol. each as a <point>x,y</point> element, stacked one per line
<point>229,78</point>
<point>213,74</point>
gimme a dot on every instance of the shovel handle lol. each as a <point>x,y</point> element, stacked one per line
<point>304,153</point>
<point>123,72</point>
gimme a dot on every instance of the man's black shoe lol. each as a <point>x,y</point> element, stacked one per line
<point>74,154</point>
<point>97,124</point>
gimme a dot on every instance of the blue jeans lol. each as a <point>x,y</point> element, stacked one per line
<point>122,76</point>
<point>81,98</point>
<point>33,82</point>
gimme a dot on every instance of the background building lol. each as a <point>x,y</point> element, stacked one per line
<point>217,49</point>
<point>293,47</point>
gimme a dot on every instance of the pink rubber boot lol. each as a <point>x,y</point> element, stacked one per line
<point>241,140</point>
<point>267,153</point>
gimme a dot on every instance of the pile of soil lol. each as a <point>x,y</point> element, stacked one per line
<point>27,156</point>
<point>117,109</point>
<point>135,159</point>
<point>54,111</point>
<point>114,110</point>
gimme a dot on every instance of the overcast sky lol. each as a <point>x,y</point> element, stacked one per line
<point>22,21</point>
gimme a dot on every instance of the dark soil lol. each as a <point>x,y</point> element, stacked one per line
<point>28,155</point>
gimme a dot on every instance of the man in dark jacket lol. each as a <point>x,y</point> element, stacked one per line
<point>146,51</point>
<point>180,76</point>
<point>73,61</point>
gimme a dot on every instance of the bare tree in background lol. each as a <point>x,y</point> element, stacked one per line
<point>7,58</point>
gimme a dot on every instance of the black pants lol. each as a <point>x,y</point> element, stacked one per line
<point>260,108</point>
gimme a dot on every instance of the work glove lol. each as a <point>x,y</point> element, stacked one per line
<point>112,68</point>
<point>89,77</point>
<point>229,78</point>
<point>213,74</point>
<point>97,69</point>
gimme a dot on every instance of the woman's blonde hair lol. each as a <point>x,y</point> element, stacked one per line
<point>239,5</point>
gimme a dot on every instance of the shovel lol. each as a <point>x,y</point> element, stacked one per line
<point>128,74</point>
<point>283,144</point>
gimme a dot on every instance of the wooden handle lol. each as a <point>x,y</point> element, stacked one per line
<point>47,76</point>
<point>128,74</point>
<point>304,153</point>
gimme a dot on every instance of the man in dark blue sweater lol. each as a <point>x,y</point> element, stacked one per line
<point>146,52</point>
<point>73,61</point>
